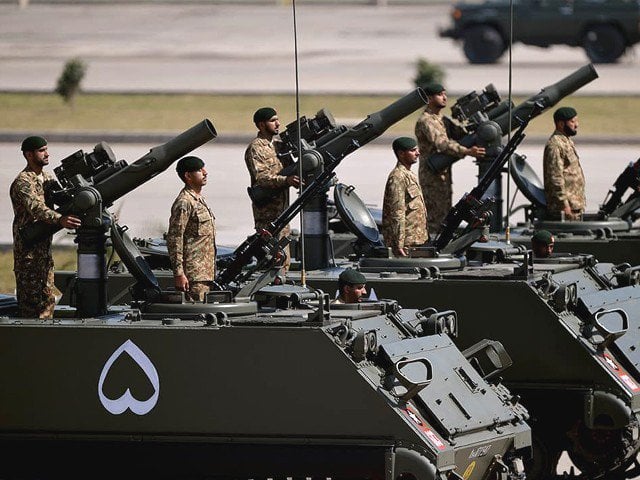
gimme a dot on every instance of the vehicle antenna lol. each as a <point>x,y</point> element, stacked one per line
<point>510,103</point>
<point>303,277</point>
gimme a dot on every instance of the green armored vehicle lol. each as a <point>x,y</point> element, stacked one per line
<point>603,28</point>
<point>268,381</point>
<point>570,321</point>
<point>282,385</point>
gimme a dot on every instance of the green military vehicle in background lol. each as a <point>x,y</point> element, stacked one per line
<point>604,28</point>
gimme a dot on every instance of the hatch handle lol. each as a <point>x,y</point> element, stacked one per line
<point>610,335</point>
<point>413,387</point>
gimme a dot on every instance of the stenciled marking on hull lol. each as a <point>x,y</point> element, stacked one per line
<point>127,401</point>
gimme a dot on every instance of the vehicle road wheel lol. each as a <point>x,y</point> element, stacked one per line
<point>603,44</point>
<point>483,44</point>
<point>544,459</point>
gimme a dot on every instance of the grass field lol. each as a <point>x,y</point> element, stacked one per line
<point>232,113</point>
<point>64,259</point>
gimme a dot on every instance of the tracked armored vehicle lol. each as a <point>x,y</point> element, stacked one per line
<point>570,322</point>
<point>264,381</point>
<point>279,385</point>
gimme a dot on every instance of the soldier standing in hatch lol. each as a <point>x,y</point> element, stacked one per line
<point>191,239</point>
<point>563,176</point>
<point>404,215</point>
<point>351,286</point>
<point>542,243</point>
<point>264,169</point>
<point>432,138</point>
<point>33,264</point>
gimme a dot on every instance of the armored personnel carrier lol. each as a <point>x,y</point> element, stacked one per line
<point>570,322</point>
<point>282,384</point>
<point>264,381</point>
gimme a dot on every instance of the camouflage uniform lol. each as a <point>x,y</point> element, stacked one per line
<point>264,167</point>
<point>191,242</point>
<point>33,265</point>
<point>563,176</point>
<point>436,187</point>
<point>404,215</point>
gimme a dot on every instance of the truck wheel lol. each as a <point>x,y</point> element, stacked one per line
<point>483,44</point>
<point>603,44</point>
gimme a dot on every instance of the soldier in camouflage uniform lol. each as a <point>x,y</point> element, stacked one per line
<point>432,138</point>
<point>404,215</point>
<point>264,169</point>
<point>33,264</point>
<point>191,239</point>
<point>563,176</point>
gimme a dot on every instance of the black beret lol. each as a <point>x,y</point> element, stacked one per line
<point>433,88</point>
<point>352,277</point>
<point>32,143</point>
<point>404,143</point>
<point>542,236</point>
<point>564,113</point>
<point>263,114</point>
<point>188,164</point>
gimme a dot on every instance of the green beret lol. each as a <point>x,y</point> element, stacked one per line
<point>542,236</point>
<point>564,113</point>
<point>433,88</point>
<point>404,143</point>
<point>188,164</point>
<point>263,114</point>
<point>32,143</point>
<point>352,277</point>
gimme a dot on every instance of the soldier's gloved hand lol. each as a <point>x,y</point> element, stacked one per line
<point>181,283</point>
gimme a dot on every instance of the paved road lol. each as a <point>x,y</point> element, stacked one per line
<point>249,48</point>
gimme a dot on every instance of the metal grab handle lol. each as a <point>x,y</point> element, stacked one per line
<point>412,387</point>
<point>610,335</point>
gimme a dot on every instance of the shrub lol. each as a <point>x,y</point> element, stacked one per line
<point>69,82</point>
<point>427,72</point>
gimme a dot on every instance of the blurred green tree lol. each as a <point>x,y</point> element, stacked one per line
<point>427,72</point>
<point>69,82</point>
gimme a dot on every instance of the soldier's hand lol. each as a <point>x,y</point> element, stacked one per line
<point>293,181</point>
<point>70,221</point>
<point>400,252</point>
<point>181,283</point>
<point>476,151</point>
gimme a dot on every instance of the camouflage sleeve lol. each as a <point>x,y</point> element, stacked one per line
<point>180,213</point>
<point>264,166</point>
<point>553,173</point>
<point>436,135</point>
<point>26,193</point>
<point>394,212</point>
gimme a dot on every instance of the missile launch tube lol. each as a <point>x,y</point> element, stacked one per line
<point>130,177</point>
<point>547,98</point>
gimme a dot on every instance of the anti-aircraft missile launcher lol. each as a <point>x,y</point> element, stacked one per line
<point>482,119</point>
<point>90,183</point>
<point>570,321</point>
<point>270,381</point>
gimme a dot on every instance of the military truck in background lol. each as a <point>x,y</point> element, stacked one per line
<point>604,28</point>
